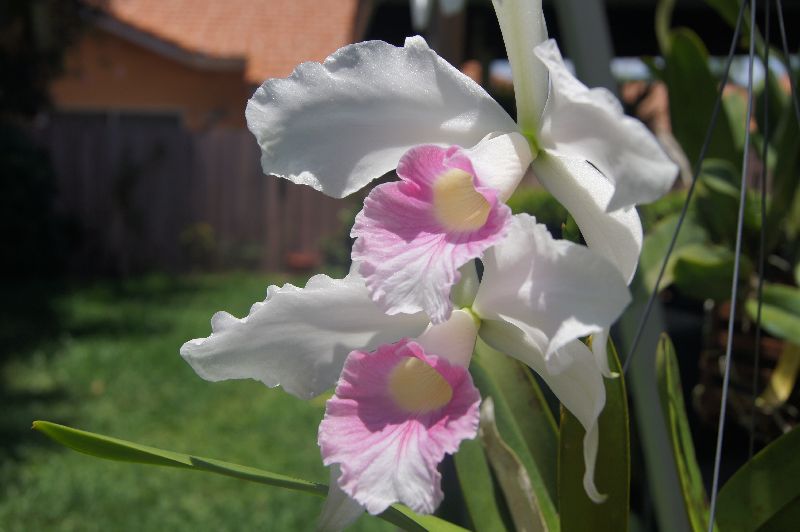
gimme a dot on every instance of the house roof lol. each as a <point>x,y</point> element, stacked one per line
<point>271,36</point>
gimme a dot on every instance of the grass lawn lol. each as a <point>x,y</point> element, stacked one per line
<point>110,364</point>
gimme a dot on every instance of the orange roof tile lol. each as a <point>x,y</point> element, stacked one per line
<point>273,36</point>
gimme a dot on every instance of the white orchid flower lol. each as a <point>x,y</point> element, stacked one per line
<point>372,107</point>
<point>403,396</point>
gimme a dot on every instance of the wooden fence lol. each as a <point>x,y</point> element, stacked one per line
<point>144,193</point>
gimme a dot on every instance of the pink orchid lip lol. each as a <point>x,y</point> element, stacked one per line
<point>414,234</point>
<point>395,414</point>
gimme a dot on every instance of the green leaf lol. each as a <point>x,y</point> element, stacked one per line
<point>717,204</point>
<point>735,106</point>
<point>477,487</point>
<point>782,380</point>
<point>511,474</point>
<point>532,414</point>
<point>778,107</point>
<point>706,271</point>
<point>671,394</point>
<point>110,448</point>
<point>612,475</point>
<point>780,311</point>
<point>664,10</point>
<point>692,93</point>
<point>764,488</point>
<point>511,432</point>
<point>782,211</point>
<point>656,243</point>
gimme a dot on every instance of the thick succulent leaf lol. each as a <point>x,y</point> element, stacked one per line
<point>764,488</point>
<point>511,432</point>
<point>531,411</point>
<point>704,271</point>
<point>612,474</point>
<point>780,311</point>
<point>478,487</point>
<point>782,380</point>
<point>655,248</point>
<point>110,448</point>
<point>782,211</point>
<point>671,394</point>
<point>511,474</point>
<point>717,203</point>
<point>692,92</point>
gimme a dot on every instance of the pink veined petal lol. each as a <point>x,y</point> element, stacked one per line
<point>386,452</point>
<point>408,255</point>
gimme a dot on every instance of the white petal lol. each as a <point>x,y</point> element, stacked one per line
<point>339,511</point>
<point>523,26</point>
<point>501,161</point>
<point>590,124</point>
<point>298,338</point>
<point>584,191</point>
<point>463,293</point>
<point>453,339</point>
<point>578,384</point>
<point>338,125</point>
<point>600,352</point>
<point>554,290</point>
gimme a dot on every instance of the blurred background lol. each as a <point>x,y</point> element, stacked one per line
<point>133,206</point>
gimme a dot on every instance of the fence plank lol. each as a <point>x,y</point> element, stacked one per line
<point>144,191</point>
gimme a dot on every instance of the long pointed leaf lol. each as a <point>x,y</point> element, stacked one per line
<point>511,474</point>
<point>671,394</point>
<point>478,487</point>
<point>764,488</point>
<point>110,448</point>
<point>504,394</point>
<point>612,474</point>
<point>531,411</point>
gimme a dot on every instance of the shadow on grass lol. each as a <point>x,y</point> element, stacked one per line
<point>36,318</point>
<point>31,321</point>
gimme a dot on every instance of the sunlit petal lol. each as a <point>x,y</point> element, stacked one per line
<point>575,183</point>
<point>554,290</point>
<point>578,383</point>
<point>501,161</point>
<point>338,125</point>
<point>298,338</point>
<point>589,124</point>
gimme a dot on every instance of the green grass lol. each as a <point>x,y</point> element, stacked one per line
<point>110,364</point>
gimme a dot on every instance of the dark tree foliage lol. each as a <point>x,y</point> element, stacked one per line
<point>34,35</point>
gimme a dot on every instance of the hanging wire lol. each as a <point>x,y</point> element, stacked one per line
<point>761,238</point>
<point>736,264</point>
<point>690,193</point>
<point>786,55</point>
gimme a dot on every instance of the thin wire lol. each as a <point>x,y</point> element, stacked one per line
<point>792,87</point>
<point>695,176</point>
<point>736,264</point>
<point>761,238</point>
